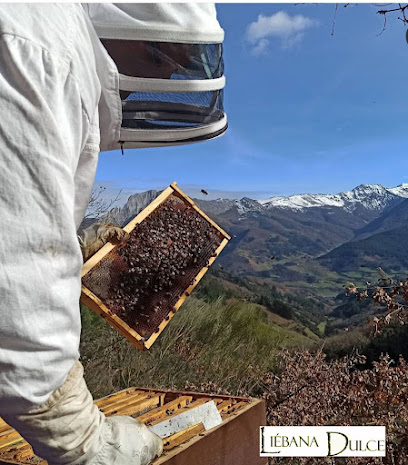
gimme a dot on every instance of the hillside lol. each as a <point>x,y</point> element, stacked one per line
<point>264,229</point>
<point>308,245</point>
<point>387,249</point>
<point>391,219</point>
<point>206,342</point>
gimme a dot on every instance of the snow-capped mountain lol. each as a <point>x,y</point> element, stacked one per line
<point>401,190</point>
<point>286,227</point>
<point>370,196</point>
<point>368,200</point>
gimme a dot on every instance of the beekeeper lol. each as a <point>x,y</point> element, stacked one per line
<point>62,98</point>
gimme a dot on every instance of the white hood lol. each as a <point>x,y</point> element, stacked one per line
<point>164,22</point>
<point>178,109</point>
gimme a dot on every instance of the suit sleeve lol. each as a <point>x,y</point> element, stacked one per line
<point>43,132</point>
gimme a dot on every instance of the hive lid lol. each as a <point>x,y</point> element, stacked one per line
<point>206,414</point>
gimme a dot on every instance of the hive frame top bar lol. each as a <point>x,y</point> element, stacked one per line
<point>95,304</point>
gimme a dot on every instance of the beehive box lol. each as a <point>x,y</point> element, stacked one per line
<point>235,441</point>
<point>172,244</point>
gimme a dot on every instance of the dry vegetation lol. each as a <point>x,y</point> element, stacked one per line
<point>226,343</point>
<point>310,391</point>
<point>229,347</point>
<point>393,295</point>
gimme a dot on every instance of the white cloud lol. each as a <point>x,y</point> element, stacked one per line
<point>260,47</point>
<point>289,29</point>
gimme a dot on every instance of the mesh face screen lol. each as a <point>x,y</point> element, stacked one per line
<point>143,110</point>
<point>142,279</point>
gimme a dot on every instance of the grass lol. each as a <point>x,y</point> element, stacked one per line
<point>277,319</point>
<point>311,334</point>
<point>322,289</point>
<point>329,283</point>
<point>228,343</point>
<point>255,264</point>
<point>322,327</point>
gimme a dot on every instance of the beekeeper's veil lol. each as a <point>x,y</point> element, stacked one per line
<point>171,75</point>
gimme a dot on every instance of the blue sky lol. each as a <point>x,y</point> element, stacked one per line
<point>308,111</point>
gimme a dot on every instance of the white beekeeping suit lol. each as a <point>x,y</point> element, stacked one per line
<point>59,98</point>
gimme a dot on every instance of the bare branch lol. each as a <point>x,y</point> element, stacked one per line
<point>334,18</point>
<point>384,25</point>
<point>387,293</point>
<point>401,8</point>
<point>98,206</point>
<point>390,10</point>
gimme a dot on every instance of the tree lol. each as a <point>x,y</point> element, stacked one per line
<point>98,206</point>
<point>388,292</point>
<point>385,9</point>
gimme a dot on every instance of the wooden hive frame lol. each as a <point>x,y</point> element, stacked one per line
<point>221,445</point>
<point>96,305</point>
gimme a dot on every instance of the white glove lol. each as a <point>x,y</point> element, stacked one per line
<point>69,429</point>
<point>95,236</point>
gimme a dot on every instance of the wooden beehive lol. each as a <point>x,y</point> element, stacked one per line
<point>144,339</point>
<point>235,441</point>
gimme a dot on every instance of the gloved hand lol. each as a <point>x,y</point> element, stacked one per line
<point>97,235</point>
<point>70,430</point>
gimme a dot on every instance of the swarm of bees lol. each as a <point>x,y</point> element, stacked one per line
<point>159,262</point>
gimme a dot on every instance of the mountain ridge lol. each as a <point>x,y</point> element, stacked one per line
<point>298,238</point>
<point>371,196</point>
